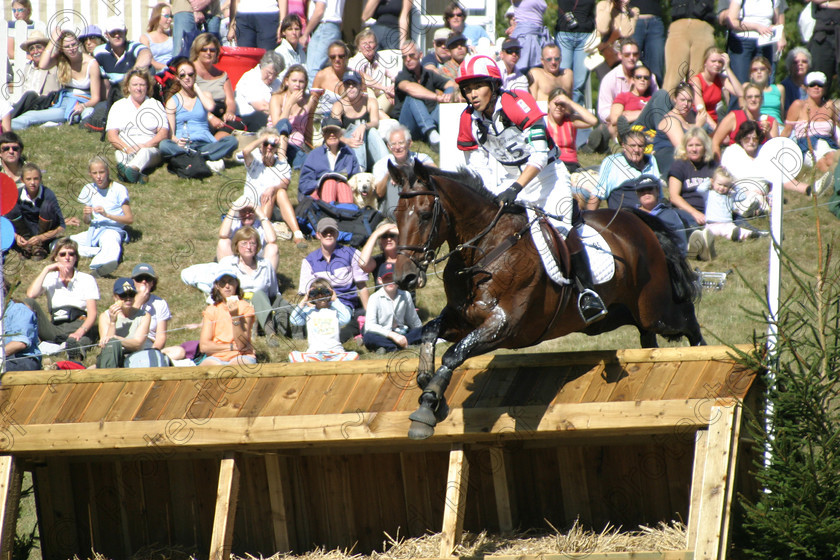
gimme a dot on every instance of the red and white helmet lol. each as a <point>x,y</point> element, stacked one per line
<point>478,67</point>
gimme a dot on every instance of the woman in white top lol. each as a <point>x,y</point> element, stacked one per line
<point>159,36</point>
<point>750,20</point>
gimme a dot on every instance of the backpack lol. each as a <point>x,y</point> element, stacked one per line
<point>354,224</point>
<point>189,166</point>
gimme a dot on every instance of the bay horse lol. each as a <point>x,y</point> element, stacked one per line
<point>498,294</point>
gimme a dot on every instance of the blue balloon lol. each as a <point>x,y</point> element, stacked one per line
<point>7,234</point>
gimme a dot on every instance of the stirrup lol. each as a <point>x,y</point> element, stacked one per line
<point>590,306</point>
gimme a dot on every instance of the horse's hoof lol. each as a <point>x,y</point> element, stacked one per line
<point>442,410</point>
<point>419,430</point>
<point>423,380</point>
<point>423,415</point>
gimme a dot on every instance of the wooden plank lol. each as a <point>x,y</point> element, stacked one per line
<point>337,394</point>
<point>710,384</point>
<point>494,424</point>
<point>235,399</point>
<point>64,539</point>
<point>715,480</point>
<point>472,384</point>
<point>501,491</point>
<point>494,390</point>
<point>102,402</point>
<point>311,395</point>
<point>282,401</point>
<point>414,472</point>
<point>11,478</point>
<point>457,480</point>
<point>660,377</point>
<point>50,403</point>
<point>602,387</point>
<point>627,387</point>
<point>77,403</point>
<point>701,442</point>
<point>221,541</point>
<point>182,502</point>
<point>389,394</point>
<point>156,399</point>
<point>183,395</point>
<point>24,405</point>
<point>575,389</point>
<point>259,396</point>
<point>732,473</point>
<point>573,484</point>
<point>210,397</point>
<point>128,402</point>
<point>364,392</point>
<point>279,519</point>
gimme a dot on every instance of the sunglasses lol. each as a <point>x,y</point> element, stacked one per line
<point>337,56</point>
<point>10,149</point>
<point>640,77</point>
<point>210,49</point>
<point>552,59</point>
<point>272,143</point>
<point>458,14</point>
<point>126,296</point>
<point>815,84</point>
<point>67,254</point>
<point>389,236</point>
<point>514,51</point>
<point>166,16</point>
<point>441,43</point>
<point>186,75</point>
<point>319,292</point>
<point>18,10</point>
<point>145,279</point>
<point>648,190</point>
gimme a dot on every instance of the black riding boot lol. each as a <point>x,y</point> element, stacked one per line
<point>590,304</point>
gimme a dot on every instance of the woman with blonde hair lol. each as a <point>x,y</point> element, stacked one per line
<point>159,36</point>
<point>291,110</point>
<point>78,73</point>
<point>204,54</point>
<point>715,83</point>
<point>691,174</point>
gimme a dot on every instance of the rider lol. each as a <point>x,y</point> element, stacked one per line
<point>510,128</point>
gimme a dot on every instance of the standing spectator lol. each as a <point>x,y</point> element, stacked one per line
<point>107,210</point>
<point>358,113</point>
<point>530,31</point>
<point>650,35</point>
<point>377,76</point>
<point>123,329</point>
<point>136,125</point>
<point>575,23</point>
<point>614,22</point>
<point>391,321</point>
<point>798,65</point>
<point>750,20</point>
<point>393,20</point>
<point>20,344</point>
<point>689,35</point>
<point>189,16</point>
<point>455,18</point>
<point>512,77</point>
<point>710,85</point>
<point>119,55</point>
<point>292,111</point>
<point>690,174</point>
<point>38,86</point>
<point>418,94</point>
<point>159,36</point>
<point>322,30</point>
<point>339,265</point>
<point>11,156</point>
<point>823,44</point>
<point>551,76</point>
<point>227,323</point>
<point>620,79</point>
<point>290,47</point>
<point>71,301</point>
<point>439,54</point>
<point>36,217</point>
<point>325,316</point>
<point>399,143</point>
<point>254,89</point>
<point>255,23</point>
<point>330,157</point>
<point>91,38</point>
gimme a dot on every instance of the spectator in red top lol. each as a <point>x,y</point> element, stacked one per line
<point>629,104</point>
<point>565,117</point>
<point>729,125</point>
<point>713,83</point>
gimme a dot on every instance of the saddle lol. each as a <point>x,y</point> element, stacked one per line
<point>558,246</point>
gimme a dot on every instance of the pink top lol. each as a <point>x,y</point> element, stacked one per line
<point>565,138</point>
<point>299,122</point>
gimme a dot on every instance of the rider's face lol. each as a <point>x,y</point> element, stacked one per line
<point>479,96</point>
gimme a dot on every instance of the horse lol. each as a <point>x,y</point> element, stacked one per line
<point>498,294</point>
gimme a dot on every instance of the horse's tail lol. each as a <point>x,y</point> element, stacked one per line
<point>683,280</point>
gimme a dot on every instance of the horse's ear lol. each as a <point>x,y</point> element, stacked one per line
<point>421,172</point>
<point>398,177</point>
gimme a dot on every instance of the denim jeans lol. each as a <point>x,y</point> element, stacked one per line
<point>742,51</point>
<point>210,150</point>
<point>650,35</point>
<point>184,22</point>
<point>373,146</point>
<point>572,56</point>
<point>258,30</point>
<point>316,51</point>
<point>56,113</point>
<point>416,117</point>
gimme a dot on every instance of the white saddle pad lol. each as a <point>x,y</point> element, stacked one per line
<point>601,260</point>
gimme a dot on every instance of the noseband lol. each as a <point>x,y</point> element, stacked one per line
<point>426,249</point>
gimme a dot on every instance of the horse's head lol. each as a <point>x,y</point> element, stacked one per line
<point>420,219</point>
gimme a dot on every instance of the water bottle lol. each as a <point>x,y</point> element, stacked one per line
<point>187,144</point>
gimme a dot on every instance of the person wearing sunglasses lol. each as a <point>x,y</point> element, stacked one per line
<point>551,75</point>
<point>329,79</point>
<point>509,56</point>
<point>227,323</point>
<point>457,45</point>
<point>322,30</point>
<point>629,104</point>
<point>123,329</point>
<point>158,36</point>
<point>21,12</point>
<point>11,156</point>
<point>71,301</point>
<point>145,282</point>
<point>438,54</point>
<point>204,54</point>
<point>324,316</point>
<point>119,55</point>
<point>455,18</point>
<point>254,89</point>
<point>39,86</point>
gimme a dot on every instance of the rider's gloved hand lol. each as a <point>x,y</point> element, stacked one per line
<point>510,194</point>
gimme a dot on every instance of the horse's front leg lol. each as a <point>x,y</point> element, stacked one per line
<point>429,336</point>
<point>433,407</point>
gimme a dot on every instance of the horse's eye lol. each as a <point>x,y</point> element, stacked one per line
<point>425,216</point>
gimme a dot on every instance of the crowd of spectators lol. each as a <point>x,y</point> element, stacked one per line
<point>684,122</point>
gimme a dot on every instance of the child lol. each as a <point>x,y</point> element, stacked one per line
<point>391,322</point>
<point>108,212</point>
<point>719,209</point>
<point>324,315</point>
<point>123,331</point>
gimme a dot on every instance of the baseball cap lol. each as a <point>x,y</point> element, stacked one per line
<point>225,272</point>
<point>326,223</point>
<point>351,76</point>
<point>385,269</point>
<point>647,182</point>
<point>142,269</point>
<point>442,34</point>
<point>512,43</point>
<point>330,122</point>
<point>455,38</point>
<point>124,285</point>
<point>91,31</point>
<point>815,78</point>
<point>114,23</point>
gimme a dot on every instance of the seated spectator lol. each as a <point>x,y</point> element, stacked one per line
<point>456,43</point>
<point>91,37</point>
<point>38,87</point>
<point>71,301</point>
<point>671,129</point>
<point>204,54</point>
<point>11,156</point>
<point>21,11</point>
<point>377,76</point>
<point>330,157</point>
<point>340,266</point>
<point>648,193</point>
<point>439,54</point>
<point>136,126</point>
<point>78,74</point>
<point>512,77</point>
<point>37,216</point>
<point>774,94</point>
<point>324,316</point>
<point>813,121</point>
<point>385,236</point>
<point>565,118</point>
<point>798,65</point>
<point>188,110</point>
<point>358,113</point>
<point>391,321</point>
<point>145,282</point>
<point>399,143</point>
<point>632,162</point>
<point>719,210</point>
<point>254,89</point>
<point>418,93</point>
<point>328,80</point>
<point>20,342</point>
<point>158,37</point>
<point>292,111</point>
<point>715,83</point>
<point>629,104</point>
<point>690,175</point>
<point>290,48</point>
<point>123,330</point>
<point>731,123</point>
<point>267,177</point>
<point>107,210</point>
<point>244,213</point>
<point>227,323</point>
<point>455,18</point>
<point>551,75</point>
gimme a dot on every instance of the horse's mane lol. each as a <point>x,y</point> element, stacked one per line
<point>465,177</point>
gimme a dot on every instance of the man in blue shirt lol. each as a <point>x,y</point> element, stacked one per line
<point>20,338</point>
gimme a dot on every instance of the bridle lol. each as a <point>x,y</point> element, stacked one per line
<point>426,249</point>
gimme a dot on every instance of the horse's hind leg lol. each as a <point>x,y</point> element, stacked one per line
<point>429,336</point>
<point>647,338</point>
